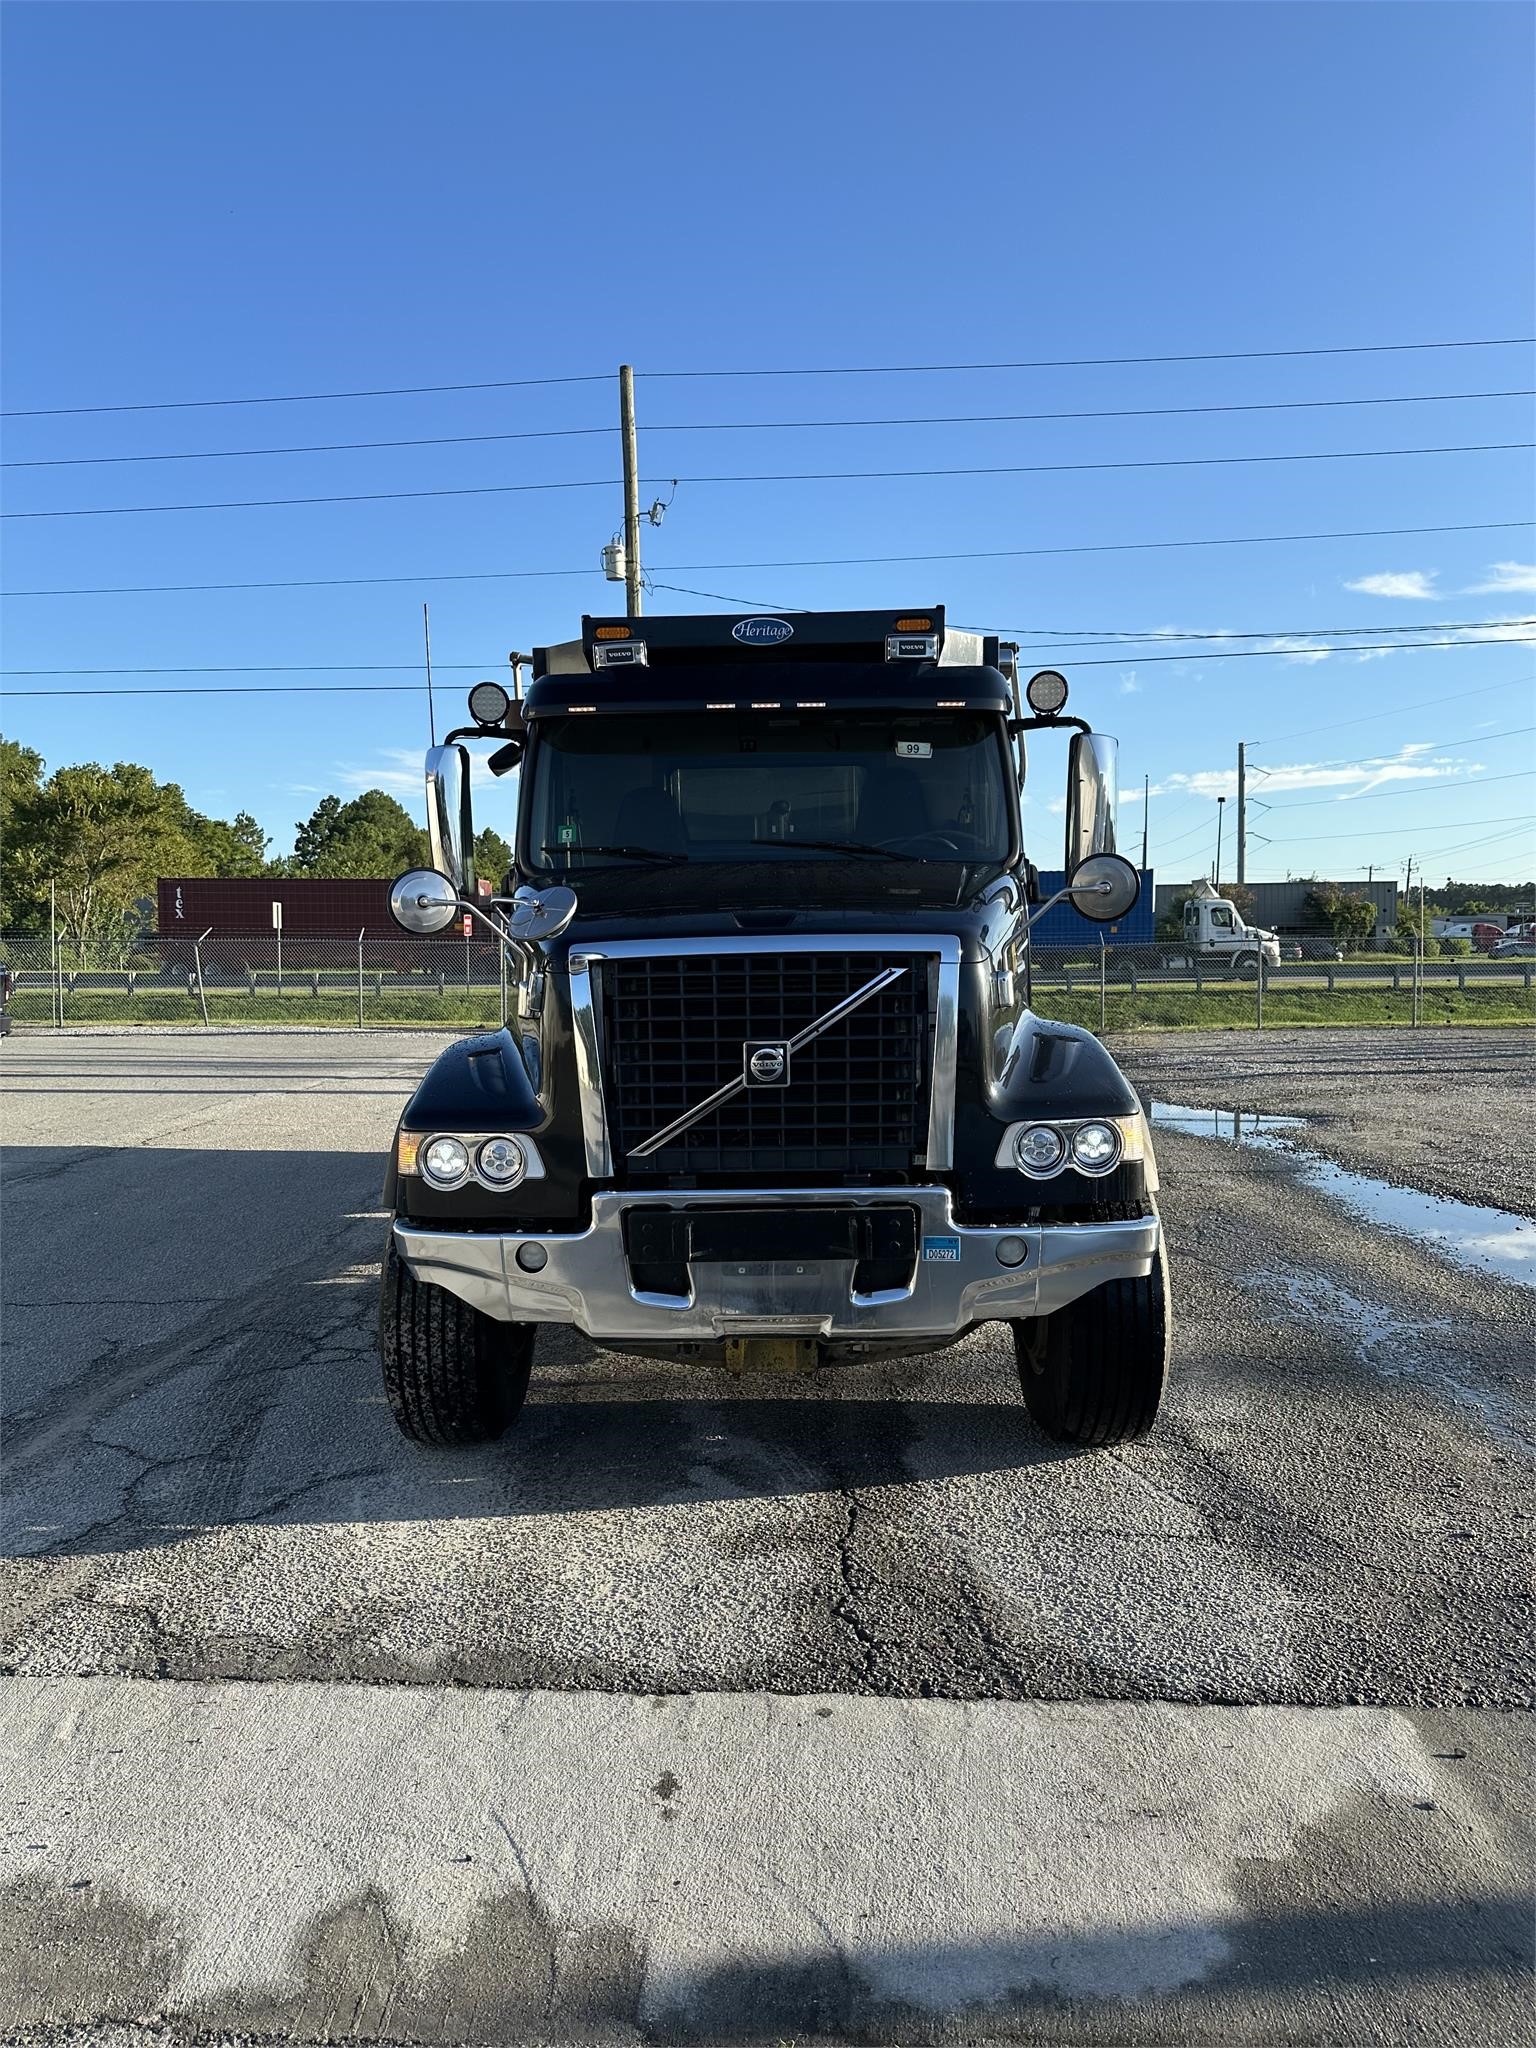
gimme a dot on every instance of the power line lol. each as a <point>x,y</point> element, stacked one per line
<point>1248,355</point>
<point>1487,839</point>
<point>1390,711</point>
<point>321,668</point>
<point>1407,787</point>
<point>1475,739</point>
<point>281,668</point>
<point>1101,634</point>
<point>841,370</point>
<point>979,419</point>
<point>1292,653</point>
<point>49,412</point>
<point>235,690</point>
<point>808,476</point>
<point>1384,831</point>
<point>1235,540</point>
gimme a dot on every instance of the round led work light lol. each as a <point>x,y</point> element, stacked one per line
<point>445,1162</point>
<point>501,1162</point>
<point>1046,692</point>
<point>488,703</point>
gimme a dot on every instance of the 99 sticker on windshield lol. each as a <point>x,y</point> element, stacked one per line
<point>914,750</point>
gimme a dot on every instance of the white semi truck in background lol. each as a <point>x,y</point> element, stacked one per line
<point>1214,930</point>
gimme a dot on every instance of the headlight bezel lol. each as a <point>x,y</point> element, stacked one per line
<point>1132,1146</point>
<point>444,1182</point>
<point>1038,1169</point>
<point>498,1184</point>
<point>1097,1168</point>
<point>413,1147</point>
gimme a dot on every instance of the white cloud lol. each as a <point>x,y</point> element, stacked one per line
<point>1504,578</point>
<point>1411,763</point>
<point>1128,683</point>
<point>1521,629</point>
<point>1299,650</point>
<point>1398,583</point>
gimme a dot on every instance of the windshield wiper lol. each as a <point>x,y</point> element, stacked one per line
<point>839,846</point>
<point>624,852</point>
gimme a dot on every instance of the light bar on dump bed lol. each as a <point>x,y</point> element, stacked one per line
<point>620,654</point>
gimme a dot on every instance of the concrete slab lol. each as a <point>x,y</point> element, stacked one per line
<point>442,1867</point>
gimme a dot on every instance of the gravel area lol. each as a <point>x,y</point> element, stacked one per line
<point>1408,1106</point>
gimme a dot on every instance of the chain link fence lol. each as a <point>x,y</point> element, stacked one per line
<point>379,978</point>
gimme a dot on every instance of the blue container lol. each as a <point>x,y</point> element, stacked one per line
<point>1065,926</point>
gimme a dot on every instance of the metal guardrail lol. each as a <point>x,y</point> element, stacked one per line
<point>385,978</point>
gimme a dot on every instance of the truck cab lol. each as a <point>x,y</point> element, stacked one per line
<point>770,1095</point>
<point>1214,929</point>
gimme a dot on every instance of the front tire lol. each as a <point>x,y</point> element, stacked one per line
<point>1247,965</point>
<point>1094,1372</point>
<point>453,1375</point>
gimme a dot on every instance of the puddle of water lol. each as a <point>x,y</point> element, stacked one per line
<point>1396,1347</point>
<point>1483,1240</point>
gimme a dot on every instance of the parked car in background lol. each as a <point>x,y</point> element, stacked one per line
<point>1514,949</point>
<point>1311,946</point>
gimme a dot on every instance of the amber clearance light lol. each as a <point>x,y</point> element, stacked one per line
<point>610,633</point>
<point>914,625</point>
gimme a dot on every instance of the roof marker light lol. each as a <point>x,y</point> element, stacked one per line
<point>611,633</point>
<point>950,704</point>
<point>914,625</point>
<point>767,707</point>
<point>811,704</point>
<point>719,707</point>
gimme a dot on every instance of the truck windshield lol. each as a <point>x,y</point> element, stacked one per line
<point>727,786</point>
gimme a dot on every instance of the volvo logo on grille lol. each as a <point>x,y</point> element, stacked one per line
<point>766,1065</point>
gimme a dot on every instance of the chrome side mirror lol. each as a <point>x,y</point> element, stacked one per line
<point>450,821</point>
<point>424,902</point>
<point>1092,790</point>
<point>540,913</point>
<point>1104,887</point>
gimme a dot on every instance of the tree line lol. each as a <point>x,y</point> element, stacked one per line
<point>102,837</point>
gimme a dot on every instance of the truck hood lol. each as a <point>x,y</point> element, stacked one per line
<point>975,925</point>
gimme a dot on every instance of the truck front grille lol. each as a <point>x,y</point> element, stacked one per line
<point>674,1030</point>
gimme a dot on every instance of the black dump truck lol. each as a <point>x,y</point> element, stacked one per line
<point>771,1095</point>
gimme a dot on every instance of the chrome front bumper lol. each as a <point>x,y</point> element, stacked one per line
<point>958,1279</point>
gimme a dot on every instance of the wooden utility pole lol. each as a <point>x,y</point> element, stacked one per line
<point>631,492</point>
<point>1242,811</point>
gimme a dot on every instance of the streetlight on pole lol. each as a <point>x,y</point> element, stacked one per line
<point>1220,814</point>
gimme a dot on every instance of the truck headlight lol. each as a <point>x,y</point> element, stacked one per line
<point>1096,1148</point>
<point>1039,1148</point>
<point>501,1162</point>
<point>445,1162</point>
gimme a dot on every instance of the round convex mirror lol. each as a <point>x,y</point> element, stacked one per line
<point>1104,886</point>
<point>541,913</point>
<point>423,902</point>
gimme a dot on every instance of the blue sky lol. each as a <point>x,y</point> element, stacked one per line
<point>233,201</point>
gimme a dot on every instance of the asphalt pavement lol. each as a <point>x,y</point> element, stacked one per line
<point>704,1709</point>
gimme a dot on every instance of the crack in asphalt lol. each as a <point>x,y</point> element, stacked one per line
<point>847,1608</point>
